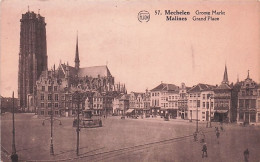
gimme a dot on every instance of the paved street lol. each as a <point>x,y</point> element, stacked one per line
<point>127,140</point>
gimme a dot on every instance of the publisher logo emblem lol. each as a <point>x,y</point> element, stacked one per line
<point>143,16</point>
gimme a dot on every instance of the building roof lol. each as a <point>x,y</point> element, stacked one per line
<point>138,93</point>
<point>94,71</point>
<point>201,87</point>
<point>166,87</point>
<point>223,87</point>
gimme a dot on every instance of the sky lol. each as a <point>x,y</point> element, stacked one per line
<point>141,55</point>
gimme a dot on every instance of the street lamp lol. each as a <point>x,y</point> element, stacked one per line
<point>197,122</point>
<point>14,156</point>
<point>78,98</point>
<point>51,118</point>
<point>210,97</point>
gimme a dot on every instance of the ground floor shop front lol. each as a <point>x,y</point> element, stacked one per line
<point>248,117</point>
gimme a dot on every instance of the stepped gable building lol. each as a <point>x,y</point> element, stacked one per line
<point>32,56</point>
<point>164,100</point>
<point>248,111</point>
<point>222,100</point>
<point>121,104</point>
<point>201,102</point>
<point>56,87</point>
<point>183,101</point>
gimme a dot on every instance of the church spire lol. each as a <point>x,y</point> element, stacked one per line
<point>248,74</point>
<point>225,77</point>
<point>77,55</point>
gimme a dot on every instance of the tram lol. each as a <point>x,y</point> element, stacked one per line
<point>88,120</point>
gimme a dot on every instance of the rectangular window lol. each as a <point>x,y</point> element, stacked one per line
<point>253,117</point>
<point>42,97</point>
<point>56,112</point>
<point>56,97</point>
<point>49,97</point>
<point>198,103</point>
<point>42,112</point>
<point>241,116</point>
<point>55,88</point>
<point>203,104</point>
<point>49,104</point>
<point>49,112</point>
<point>43,88</point>
<point>211,104</point>
<point>247,104</point>
<point>241,103</point>
<point>42,104</point>
<point>203,96</point>
<point>207,105</point>
<point>253,103</point>
<point>49,88</point>
<point>56,104</point>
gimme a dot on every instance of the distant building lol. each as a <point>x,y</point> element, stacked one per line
<point>201,102</point>
<point>248,102</point>
<point>55,89</point>
<point>183,101</point>
<point>136,102</point>
<point>32,57</point>
<point>6,104</point>
<point>121,104</point>
<point>222,100</point>
<point>164,100</point>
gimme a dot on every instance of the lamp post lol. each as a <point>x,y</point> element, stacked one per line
<point>211,96</point>
<point>78,98</point>
<point>51,119</point>
<point>197,122</point>
<point>14,156</point>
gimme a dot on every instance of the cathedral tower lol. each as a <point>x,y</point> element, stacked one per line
<point>32,55</point>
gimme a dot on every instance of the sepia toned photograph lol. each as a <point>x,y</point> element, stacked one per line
<point>130,81</point>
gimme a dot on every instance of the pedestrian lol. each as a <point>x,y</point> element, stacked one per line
<point>217,134</point>
<point>221,128</point>
<point>204,150</point>
<point>216,129</point>
<point>246,155</point>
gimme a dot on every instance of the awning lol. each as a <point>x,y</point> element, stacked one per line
<point>221,111</point>
<point>129,110</point>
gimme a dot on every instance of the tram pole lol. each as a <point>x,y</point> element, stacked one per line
<point>14,156</point>
<point>78,124</point>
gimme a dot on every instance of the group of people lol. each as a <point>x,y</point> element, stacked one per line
<point>204,146</point>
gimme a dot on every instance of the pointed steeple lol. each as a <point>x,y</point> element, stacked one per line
<point>77,55</point>
<point>248,74</point>
<point>225,77</point>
